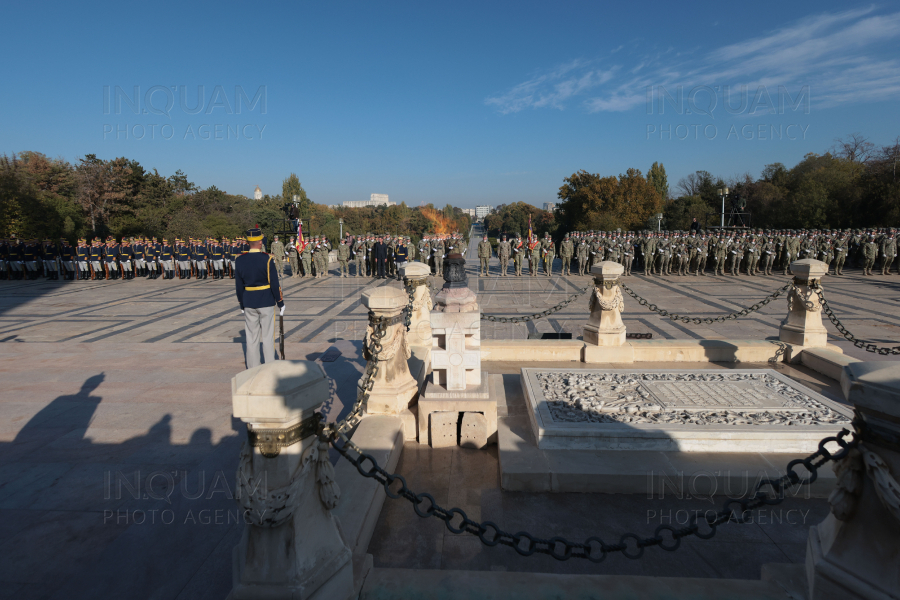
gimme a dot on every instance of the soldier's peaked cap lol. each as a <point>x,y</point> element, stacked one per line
<point>254,235</point>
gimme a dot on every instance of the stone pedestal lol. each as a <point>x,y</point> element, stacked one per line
<point>605,326</point>
<point>292,546</point>
<point>803,324</point>
<point>457,383</point>
<point>416,277</point>
<point>394,388</point>
<point>855,551</point>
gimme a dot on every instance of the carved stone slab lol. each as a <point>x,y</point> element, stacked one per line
<point>718,410</point>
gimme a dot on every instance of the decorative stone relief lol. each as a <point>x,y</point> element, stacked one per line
<point>680,398</point>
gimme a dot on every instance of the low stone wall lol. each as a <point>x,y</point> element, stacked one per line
<point>694,351</point>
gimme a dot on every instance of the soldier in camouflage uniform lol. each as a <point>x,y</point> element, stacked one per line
<point>484,255</point>
<point>888,248</point>
<point>870,253</point>
<point>582,252</point>
<point>548,253</point>
<point>504,249</point>
<point>566,250</point>
<point>343,256</point>
<point>438,248</point>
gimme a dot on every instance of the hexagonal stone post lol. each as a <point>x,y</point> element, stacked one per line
<point>803,324</point>
<point>855,551</point>
<point>416,277</point>
<point>605,326</point>
<point>291,546</point>
<point>394,388</point>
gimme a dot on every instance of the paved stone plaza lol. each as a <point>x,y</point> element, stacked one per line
<point>118,450</point>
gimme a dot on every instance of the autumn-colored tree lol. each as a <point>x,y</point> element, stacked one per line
<point>592,202</point>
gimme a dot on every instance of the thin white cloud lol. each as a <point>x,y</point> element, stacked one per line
<point>844,57</point>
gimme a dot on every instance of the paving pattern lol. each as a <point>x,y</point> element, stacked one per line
<point>327,310</point>
<point>113,392</point>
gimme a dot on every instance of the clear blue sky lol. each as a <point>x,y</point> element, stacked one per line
<point>462,102</point>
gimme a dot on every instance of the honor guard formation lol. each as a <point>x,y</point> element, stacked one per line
<point>721,252</point>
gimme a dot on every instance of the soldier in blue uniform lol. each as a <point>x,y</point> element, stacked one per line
<point>126,259</point>
<point>200,256</point>
<point>166,259</point>
<point>96,255</point>
<point>82,252</point>
<point>183,257</point>
<point>110,255</point>
<point>217,258</point>
<point>258,293</point>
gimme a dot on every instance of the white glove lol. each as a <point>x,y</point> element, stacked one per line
<point>281,312</point>
<point>242,311</point>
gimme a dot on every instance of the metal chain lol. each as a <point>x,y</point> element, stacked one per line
<point>782,348</point>
<point>868,347</point>
<point>411,292</point>
<point>340,428</point>
<point>535,316</point>
<point>708,320</point>
<point>593,548</point>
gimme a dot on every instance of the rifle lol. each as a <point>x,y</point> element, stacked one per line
<point>281,334</point>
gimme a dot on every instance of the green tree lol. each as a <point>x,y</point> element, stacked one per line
<point>657,178</point>
<point>291,187</point>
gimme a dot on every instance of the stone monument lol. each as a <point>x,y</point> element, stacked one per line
<point>803,324</point>
<point>757,410</point>
<point>394,389</point>
<point>848,555</point>
<point>605,326</point>
<point>604,333</point>
<point>292,546</point>
<point>457,383</point>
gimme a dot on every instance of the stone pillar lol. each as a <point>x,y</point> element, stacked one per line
<point>456,325</point>
<point>855,551</point>
<point>291,546</point>
<point>416,276</point>
<point>394,388</point>
<point>803,324</point>
<point>605,326</point>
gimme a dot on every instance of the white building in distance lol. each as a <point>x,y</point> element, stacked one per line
<point>469,211</point>
<point>257,193</point>
<point>374,200</point>
<point>483,211</point>
<point>550,206</point>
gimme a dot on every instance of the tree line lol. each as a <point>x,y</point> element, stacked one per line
<point>43,197</point>
<point>854,184</point>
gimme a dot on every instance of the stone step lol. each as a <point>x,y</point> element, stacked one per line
<point>525,467</point>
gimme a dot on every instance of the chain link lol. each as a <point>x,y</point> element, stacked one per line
<point>767,492</point>
<point>782,348</point>
<point>535,316</point>
<point>868,347</point>
<point>411,292</point>
<point>364,386</point>
<point>708,320</point>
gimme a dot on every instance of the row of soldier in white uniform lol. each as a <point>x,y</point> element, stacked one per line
<point>681,253</point>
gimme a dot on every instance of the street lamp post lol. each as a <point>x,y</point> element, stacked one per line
<point>341,223</point>
<point>659,217</point>
<point>723,192</point>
